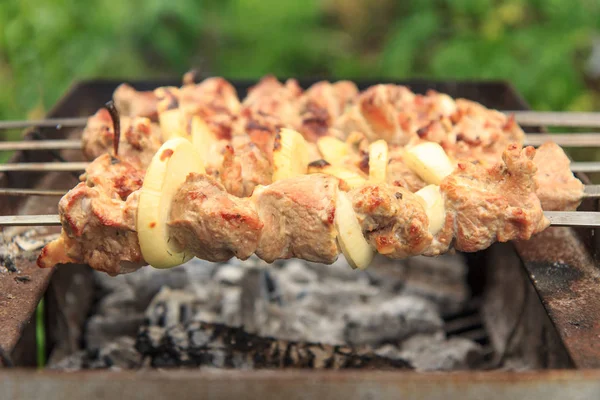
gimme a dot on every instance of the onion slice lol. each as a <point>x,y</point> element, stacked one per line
<point>169,168</point>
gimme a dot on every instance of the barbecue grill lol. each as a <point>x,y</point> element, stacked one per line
<point>544,290</point>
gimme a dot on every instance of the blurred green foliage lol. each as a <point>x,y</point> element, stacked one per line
<point>541,46</point>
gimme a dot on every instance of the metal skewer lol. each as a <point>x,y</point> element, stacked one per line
<point>30,192</point>
<point>592,166</point>
<point>57,123</point>
<point>584,219</point>
<point>573,119</point>
<point>41,145</point>
<point>587,219</point>
<point>45,167</point>
<point>590,139</point>
<point>29,220</point>
<point>589,192</point>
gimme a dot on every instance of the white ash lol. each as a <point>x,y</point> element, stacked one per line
<point>117,355</point>
<point>391,321</point>
<point>21,243</point>
<point>436,353</point>
<point>295,300</point>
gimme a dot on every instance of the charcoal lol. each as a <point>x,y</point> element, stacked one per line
<point>440,279</point>
<point>118,354</point>
<point>220,346</point>
<point>435,353</point>
<point>292,313</point>
<point>229,275</point>
<point>391,321</point>
<point>105,329</point>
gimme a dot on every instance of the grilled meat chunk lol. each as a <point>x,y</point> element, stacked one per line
<point>398,174</point>
<point>270,97</point>
<point>98,221</point>
<point>211,96</point>
<point>393,220</point>
<point>494,204</point>
<point>321,105</point>
<point>244,167</point>
<point>132,103</point>
<point>212,223</point>
<point>298,216</point>
<point>557,188</point>
<point>376,114</point>
<point>138,142</point>
<point>114,176</point>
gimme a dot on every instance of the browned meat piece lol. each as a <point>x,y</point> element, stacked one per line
<point>557,188</point>
<point>298,216</point>
<point>321,105</point>
<point>138,142</point>
<point>214,94</point>
<point>98,220</point>
<point>132,103</point>
<point>244,167</point>
<point>114,176</point>
<point>259,127</point>
<point>211,223</point>
<point>393,220</point>
<point>270,97</point>
<point>376,114</point>
<point>398,174</point>
<point>494,204</point>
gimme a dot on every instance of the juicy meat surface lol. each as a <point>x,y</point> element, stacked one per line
<point>393,220</point>
<point>132,103</point>
<point>214,95</point>
<point>270,97</point>
<point>244,167</point>
<point>321,105</point>
<point>114,175</point>
<point>138,142</point>
<point>211,223</point>
<point>98,220</point>
<point>494,204</point>
<point>398,174</point>
<point>557,187</point>
<point>298,216</point>
<point>376,114</point>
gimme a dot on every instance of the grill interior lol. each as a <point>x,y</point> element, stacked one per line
<point>509,313</point>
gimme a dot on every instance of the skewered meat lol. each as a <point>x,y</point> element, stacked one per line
<point>393,220</point>
<point>98,219</point>
<point>132,103</point>
<point>297,217</point>
<point>398,174</point>
<point>494,204</point>
<point>322,104</point>
<point>210,223</point>
<point>138,142</point>
<point>244,167</point>
<point>558,189</point>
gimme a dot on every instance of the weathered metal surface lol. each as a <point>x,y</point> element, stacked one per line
<point>292,385</point>
<point>19,294</point>
<point>568,283</point>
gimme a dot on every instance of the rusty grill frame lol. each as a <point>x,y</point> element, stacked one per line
<point>561,262</point>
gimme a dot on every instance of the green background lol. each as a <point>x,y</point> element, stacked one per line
<point>543,47</point>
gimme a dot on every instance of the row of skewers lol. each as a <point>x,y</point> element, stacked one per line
<point>202,174</point>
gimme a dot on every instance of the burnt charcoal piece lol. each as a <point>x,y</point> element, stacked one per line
<point>220,346</point>
<point>434,353</point>
<point>392,321</point>
<point>118,354</point>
